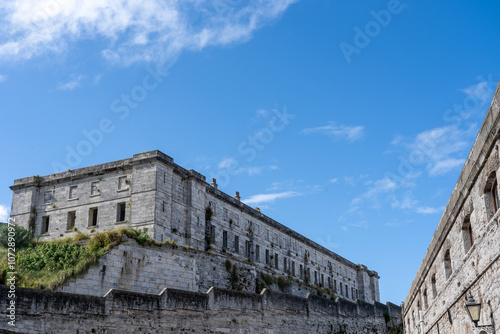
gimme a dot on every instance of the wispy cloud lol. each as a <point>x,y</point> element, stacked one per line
<point>4,213</point>
<point>405,202</point>
<point>427,210</point>
<point>440,150</point>
<point>132,31</point>
<point>349,133</point>
<point>267,198</point>
<point>481,91</point>
<point>3,77</point>
<point>72,84</point>
<point>374,190</point>
<point>232,165</point>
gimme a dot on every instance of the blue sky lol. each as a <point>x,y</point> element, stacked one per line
<point>348,121</point>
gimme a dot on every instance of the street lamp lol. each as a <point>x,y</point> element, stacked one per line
<point>474,310</point>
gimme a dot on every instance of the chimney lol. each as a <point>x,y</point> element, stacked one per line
<point>214,183</point>
<point>237,196</point>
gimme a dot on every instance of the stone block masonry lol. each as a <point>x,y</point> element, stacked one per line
<point>464,254</point>
<point>178,311</point>
<point>150,191</point>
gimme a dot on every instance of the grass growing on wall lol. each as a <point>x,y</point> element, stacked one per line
<point>48,265</point>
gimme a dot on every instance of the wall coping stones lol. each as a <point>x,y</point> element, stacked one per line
<point>155,156</point>
<point>482,147</point>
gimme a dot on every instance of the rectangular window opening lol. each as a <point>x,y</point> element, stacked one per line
<point>71,220</point>
<point>45,224</point>
<point>236,244</point>
<point>72,192</point>
<point>93,217</point>
<point>224,239</point>
<point>120,212</point>
<point>94,188</point>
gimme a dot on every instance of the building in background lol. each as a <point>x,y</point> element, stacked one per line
<point>150,191</point>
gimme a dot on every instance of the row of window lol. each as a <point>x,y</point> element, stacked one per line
<point>288,265</point>
<point>92,218</point>
<point>269,235</point>
<point>274,238</point>
<point>492,204</point>
<point>48,196</point>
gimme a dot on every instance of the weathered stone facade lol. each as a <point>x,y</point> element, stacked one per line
<point>150,191</point>
<point>175,311</point>
<point>464,252</point>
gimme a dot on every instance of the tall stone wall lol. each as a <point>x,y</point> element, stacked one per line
<point>464,252</point>
<point>150,269</point>
<point>177,311</point>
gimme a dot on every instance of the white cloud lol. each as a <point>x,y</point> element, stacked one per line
<point>430,210</point>
<point>233,167</point>
<point>374,190</point>
<point>3,77</point>
<point>444,166</point>
<point>440,150</point>
<point>334,180</point>
<point>4,213</point>
<point>132,30</point>
<point>262,113</point>
<point>350,133</point>
<point>72,84</point>
<point>266,198</point>
<point>226,163</point>
<point>405,203</point>
<point>482,92</point>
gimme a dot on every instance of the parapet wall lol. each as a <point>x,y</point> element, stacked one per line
<point>178,311</point>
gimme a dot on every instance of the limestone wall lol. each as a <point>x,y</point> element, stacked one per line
<point>177,311</point>
<point>464,251</point>
<point>171,202</point>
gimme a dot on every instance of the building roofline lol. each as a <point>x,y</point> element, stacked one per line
<point>481,149</point>
<point>156,155</point>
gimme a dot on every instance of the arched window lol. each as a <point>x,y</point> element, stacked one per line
<point>492,201</point>
<point>433,285</point>
<point>426,305</point>
<point>447,264</point>
<point>467,234</point>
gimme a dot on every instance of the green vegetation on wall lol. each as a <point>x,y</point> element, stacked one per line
<point>48,265</point>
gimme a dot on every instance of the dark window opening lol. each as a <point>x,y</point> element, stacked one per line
<point>120,212</point>
<point>224,239</point>
<point>236,244</point>
<point>45,224</point>
<point>93,216</point>
<point>71,220</point>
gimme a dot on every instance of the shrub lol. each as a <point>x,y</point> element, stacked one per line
<point>141,236</point>
<point>268,279</point>
<point>19,235</point>
<point>103,241</point>
<point>283,283</point>
<point>229,265</point>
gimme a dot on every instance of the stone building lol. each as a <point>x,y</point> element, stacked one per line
<point>463,256</point>
<point>150,191</point>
